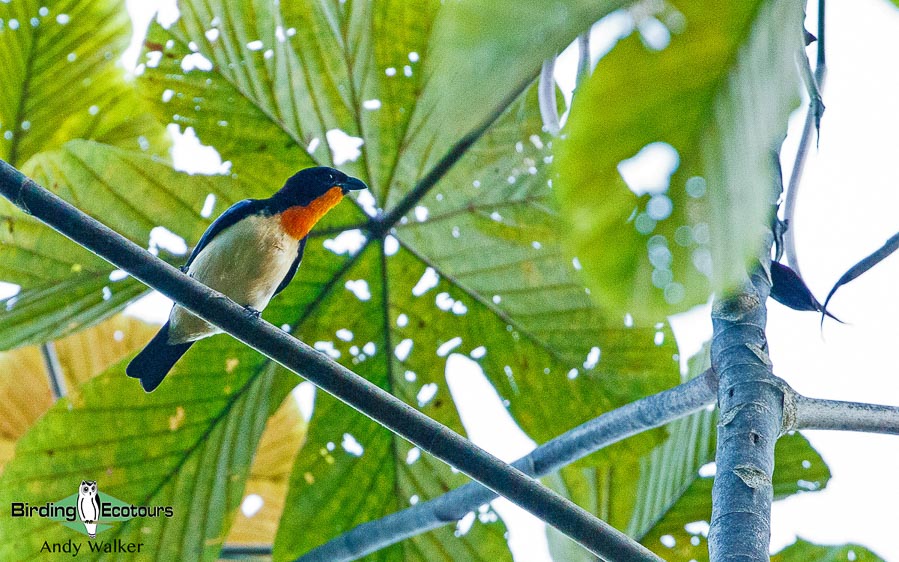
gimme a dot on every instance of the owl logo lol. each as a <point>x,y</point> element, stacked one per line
<point>89,506</point>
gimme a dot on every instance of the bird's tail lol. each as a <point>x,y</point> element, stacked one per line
<point>155,361</point>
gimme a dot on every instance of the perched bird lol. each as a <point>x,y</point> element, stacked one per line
<point>250,253</point>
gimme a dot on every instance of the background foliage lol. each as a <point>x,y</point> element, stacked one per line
<point>479,266</point>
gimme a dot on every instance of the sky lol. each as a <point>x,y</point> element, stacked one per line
<point>848,207</point>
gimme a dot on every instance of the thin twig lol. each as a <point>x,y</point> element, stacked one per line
<point>812,118</point>
<point>609,428</point>
<point>389,411</point>
<point>816,413</point>
<point>583,57</point>
<point>244,552</point>
<point>546,97</point>
<point>54,370</point>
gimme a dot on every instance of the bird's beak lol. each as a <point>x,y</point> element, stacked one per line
<point>352,184</point>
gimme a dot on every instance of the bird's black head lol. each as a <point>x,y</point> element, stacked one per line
<point>308,185</point>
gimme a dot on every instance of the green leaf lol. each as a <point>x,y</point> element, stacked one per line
<point>64,286</point>
<point>188,445</point>
<point>802,550</point>
<point>505,286</point>
<point>697,103</point>
<point>58,67</point>
<point>284,435</point>
<point>504,282</point>
<point>798,469</point>
<point>662,492</point>
<point>503,44</point>
<point>24,387</point>
<point>634,494</point>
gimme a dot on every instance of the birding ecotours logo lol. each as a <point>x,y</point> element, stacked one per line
<point>89,506</point>
<point>89,511</point>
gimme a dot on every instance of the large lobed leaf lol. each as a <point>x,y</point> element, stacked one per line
<point>61,81</point>
<point>64,286</point>
<point>189,445</point>
<point>281,76</point>
<point>504,282</point>
<point>713,103</point>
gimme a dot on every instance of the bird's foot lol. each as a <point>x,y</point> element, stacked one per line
<point>252,311</point>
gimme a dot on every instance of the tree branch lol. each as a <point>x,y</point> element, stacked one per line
<point>751,400</point>
<point>815,413</point>
<point>54,370</point>
<point>331,377</point>
<point>609,428</point>
<point>815,86</point>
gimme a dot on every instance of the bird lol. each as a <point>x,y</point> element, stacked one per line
<point>250,253</point>
<point>88,506</point>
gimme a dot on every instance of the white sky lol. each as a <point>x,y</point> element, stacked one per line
<point>848,207</point>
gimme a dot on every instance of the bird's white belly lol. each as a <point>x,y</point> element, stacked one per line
<point>246,262</point>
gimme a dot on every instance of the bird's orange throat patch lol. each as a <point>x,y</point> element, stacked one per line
<point>298,221</point>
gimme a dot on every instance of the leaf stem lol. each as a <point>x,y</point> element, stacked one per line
<point>583,62</point>
<point>812,119</point>
<point>546,97</point>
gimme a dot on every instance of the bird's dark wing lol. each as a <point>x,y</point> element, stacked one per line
<point>235,212</point>
<point>293,267</point>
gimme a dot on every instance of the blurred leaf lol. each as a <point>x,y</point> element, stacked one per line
<point>521,36</point>
<point>693,109</point>
<point>58,65</point>
<point>803,551</point>
<point>24,388</point>
<point>284,435</point>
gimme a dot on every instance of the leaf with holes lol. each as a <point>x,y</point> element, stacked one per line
<point>64,286</point>
<point>275,88</point>
<point>61,81</point>
<point>463,269</point>
<point>666,175</point>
